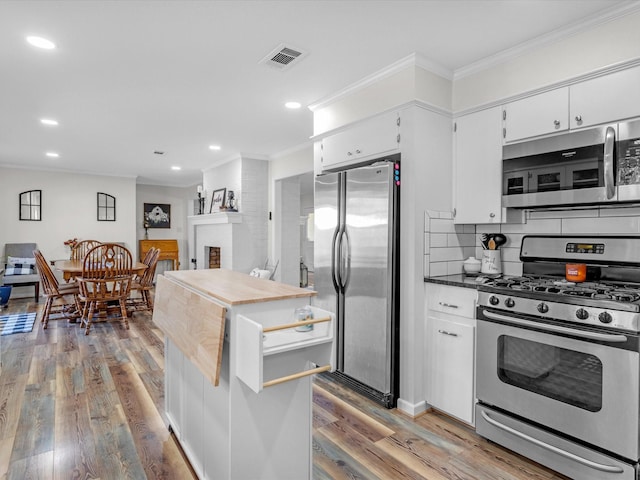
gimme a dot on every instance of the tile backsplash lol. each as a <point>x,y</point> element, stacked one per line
<point>447,245</point>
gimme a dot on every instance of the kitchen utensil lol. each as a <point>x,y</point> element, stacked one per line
<point>576,272</point>
<point>500,239</point>
<point>484,238</point>
<point>491,244</point>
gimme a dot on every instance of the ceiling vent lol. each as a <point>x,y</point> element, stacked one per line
<point>283,57</point>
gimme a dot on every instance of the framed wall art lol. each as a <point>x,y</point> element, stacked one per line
<point>157,215</point>
<point>106,207</point>
<point>217,200</point>
<point>30,203</point>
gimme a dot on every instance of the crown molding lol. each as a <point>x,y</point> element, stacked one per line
<point>236,156</point>
<point>616,67</point>
<point>289,151</point>
<point>414,59</point>
<point>594,20</point>
<point>65,171</point>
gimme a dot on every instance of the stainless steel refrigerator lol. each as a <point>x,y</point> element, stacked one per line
<point>356,272</point>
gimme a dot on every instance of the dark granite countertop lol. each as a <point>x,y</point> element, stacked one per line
<point>458,280</point>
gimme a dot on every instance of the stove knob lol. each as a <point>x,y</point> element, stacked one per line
<point>582,314</point>
<point>605,317</point>
<point>509,302</point>
<point>543,307</point>
<point>493,300</point>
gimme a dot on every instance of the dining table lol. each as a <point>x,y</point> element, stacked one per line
<point>73,268</point>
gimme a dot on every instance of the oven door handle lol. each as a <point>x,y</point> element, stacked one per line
<point>552,448</point>
<point>603,337</point>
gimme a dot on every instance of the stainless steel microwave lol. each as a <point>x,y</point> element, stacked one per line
<point>592,166</point>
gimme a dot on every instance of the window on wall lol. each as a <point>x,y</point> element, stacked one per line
<point>31,205</point>
<point>106,207</point>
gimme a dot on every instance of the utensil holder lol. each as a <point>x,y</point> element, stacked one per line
<point>491,262</point>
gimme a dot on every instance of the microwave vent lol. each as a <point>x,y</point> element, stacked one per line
<point>283,57</point>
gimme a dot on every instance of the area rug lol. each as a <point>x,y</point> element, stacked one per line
<point>17,323</point>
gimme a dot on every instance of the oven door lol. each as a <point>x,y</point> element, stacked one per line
<point>580,382</point>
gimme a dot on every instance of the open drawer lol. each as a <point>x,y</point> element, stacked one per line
<point>268,354</point>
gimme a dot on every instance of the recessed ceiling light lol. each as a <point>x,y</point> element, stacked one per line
<point>292,105</point>
<point>52,154</point>
<point>41,42</point>
<point>48,121</point>
<point>214,147</point>
<point>175,167</point>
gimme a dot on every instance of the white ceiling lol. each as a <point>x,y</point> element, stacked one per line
<point>131,77</point>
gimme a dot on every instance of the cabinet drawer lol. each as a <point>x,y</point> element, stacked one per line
<point>269,353</point>
<point>452,366</point>
<point>458,301</point>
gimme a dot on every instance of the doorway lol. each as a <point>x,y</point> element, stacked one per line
<point>293,235</point>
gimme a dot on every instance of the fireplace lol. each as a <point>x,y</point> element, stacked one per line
<point>241,241</point>
<point>213,254</point>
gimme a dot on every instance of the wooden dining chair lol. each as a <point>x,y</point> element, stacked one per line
<point>149,255</point>
<point>80,250</point>
<point>107,275</point>
<point>56,294</point>
<point>144,283</point>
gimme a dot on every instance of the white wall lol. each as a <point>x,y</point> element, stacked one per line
<point>409,83</point>
<point>181,201</point>
<point>287,165</point>
<point>227,175</point>
<point>69,209</point>
<point>605,45</point>
<point>248,178</point>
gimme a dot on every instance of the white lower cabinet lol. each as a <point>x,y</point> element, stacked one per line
<point>451,350</point>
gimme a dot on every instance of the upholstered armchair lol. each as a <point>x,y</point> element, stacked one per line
<point>20,266</point>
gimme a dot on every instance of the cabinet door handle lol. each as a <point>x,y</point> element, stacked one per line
<point>358,151</point>
<point>579,119</point>
<point>448,305</point>
<point>556,123</point>
<point>451,334</point>
<point>492,215</point>
<point>349,154</point>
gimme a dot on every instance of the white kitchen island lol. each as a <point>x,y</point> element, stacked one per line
<point>237,378</point>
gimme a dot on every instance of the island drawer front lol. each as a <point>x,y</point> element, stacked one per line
<point>269,355</point>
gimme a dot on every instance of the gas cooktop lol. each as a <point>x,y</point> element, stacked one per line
<point>604,305</point>
<point>624,292</point>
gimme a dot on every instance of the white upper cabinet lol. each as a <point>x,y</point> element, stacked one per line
<point>372,138</point>
<point>605,99</point>
<point>477,178</point>
<point>537,115</point>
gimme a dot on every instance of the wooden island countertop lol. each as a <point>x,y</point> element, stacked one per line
<point>235,288</point>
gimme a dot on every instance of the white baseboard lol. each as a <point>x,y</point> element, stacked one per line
<point>412,409</point>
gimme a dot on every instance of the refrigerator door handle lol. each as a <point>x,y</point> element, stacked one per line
<point>345,259</point>
<point>335,258</point>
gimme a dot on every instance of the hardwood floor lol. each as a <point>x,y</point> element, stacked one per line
<point>91,407</point>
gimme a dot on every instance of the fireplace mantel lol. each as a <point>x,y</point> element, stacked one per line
<point>214,218</point>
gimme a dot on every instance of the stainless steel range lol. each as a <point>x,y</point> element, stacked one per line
<point>558,363</point>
